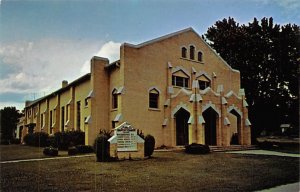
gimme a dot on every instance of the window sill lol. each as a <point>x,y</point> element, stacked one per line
<point>178,87</point>
<point>116,109</point>
<point>201,62</point>
<point>153,109</point>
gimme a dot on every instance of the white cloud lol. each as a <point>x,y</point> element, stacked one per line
<point>110,50</point>
<point>37,68</point>
<point>40,66</point>
<point>18,105</point>
<point>287,5</point>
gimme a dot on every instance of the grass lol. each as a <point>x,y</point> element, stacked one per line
<point>166,171</point>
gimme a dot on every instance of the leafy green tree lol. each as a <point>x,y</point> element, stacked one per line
<point>9,118</point>
<point>267,56</point>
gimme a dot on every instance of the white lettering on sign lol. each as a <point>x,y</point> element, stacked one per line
<point>126,140</point>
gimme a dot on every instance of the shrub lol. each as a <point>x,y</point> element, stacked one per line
<point>4,142</point>
<point>15,141</point>
<point>102,148</point>
<point>149,145</point>
<point>265,145</point>
<point>64,140</point>
<point>50,151</point>
<point>72,151</point>
<point>38,139</point>
<point>141,134</point>
<point>195,148</point>
<point>84,148</point>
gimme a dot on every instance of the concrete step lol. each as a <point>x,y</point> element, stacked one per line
<point>232,148</point>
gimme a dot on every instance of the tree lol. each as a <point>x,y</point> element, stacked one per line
<point>267,56</point>
<point>9,118</point>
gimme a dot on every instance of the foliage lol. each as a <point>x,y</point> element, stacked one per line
<point>84,148</point>
<point>15,141</point>
<point>195,148</point>
<point>102,148</point>
<point>141,134</point>
<point>38,139</point>
<point>50,151</point>
<point>149,145</point>
<point>64,140</point>
<point>267,56</point>
<point>72,151</point>
<point>9,118</point>
<point>105,132</point>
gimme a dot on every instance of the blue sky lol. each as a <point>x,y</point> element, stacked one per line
<point>43,42</point>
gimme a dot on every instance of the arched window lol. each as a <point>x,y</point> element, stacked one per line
<point>183,52</point>
<point>203,82</point>
<point>114,99</point>
<point>180,79</point>
<point>153,98</point>
<point>192,52</point>
<point>199,56</point>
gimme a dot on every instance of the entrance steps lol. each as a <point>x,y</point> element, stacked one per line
<point>214,148</point>
<point>232,148</point>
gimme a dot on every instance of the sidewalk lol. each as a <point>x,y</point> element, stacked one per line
<point>293,187</point>
<point>265,152</point>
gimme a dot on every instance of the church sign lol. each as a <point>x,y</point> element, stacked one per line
<point>126,139</point>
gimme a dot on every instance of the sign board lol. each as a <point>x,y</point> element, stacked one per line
<point>126,138</point>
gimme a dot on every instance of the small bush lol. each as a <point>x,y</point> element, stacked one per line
<point>64,140</point>
<point>38,139</point>
<point>266,145</point>
<point>4,142</point>
<point>84,149</point>
<point>15,141</point>
<point>102,148</point>
<point>72,151</point>
<point>50,151</point>
<point>149,145</point>
<point>195,148</point>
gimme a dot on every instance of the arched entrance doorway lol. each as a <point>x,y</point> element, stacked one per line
<point>182,127</point>
<point>210,117</point>
<point>235,127</point>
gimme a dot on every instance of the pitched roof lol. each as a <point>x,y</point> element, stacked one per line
<point>75,82</point>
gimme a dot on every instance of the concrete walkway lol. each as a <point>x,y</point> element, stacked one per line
<point>44,159</point>
<point>265,152</point>
<point>293,187</point>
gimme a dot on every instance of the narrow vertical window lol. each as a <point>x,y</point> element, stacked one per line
<point>199,56</point>
<point>153,98</point>
<point>114,99</point>
<point>78,115</point>
<point>42,120</point>
<point>86,102</point>
<point>51,121</point>
<point>183,52</point>
<point>62,118</point>
<point>67,112</point>
<point>192,52</point>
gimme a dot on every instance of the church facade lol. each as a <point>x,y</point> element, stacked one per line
<point>175,87</point>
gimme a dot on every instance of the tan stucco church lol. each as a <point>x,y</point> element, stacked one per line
<point>175,87</point>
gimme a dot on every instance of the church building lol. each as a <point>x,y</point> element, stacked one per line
<point>175,87</point>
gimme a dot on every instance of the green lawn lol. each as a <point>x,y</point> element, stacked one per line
<point>166,171</point>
